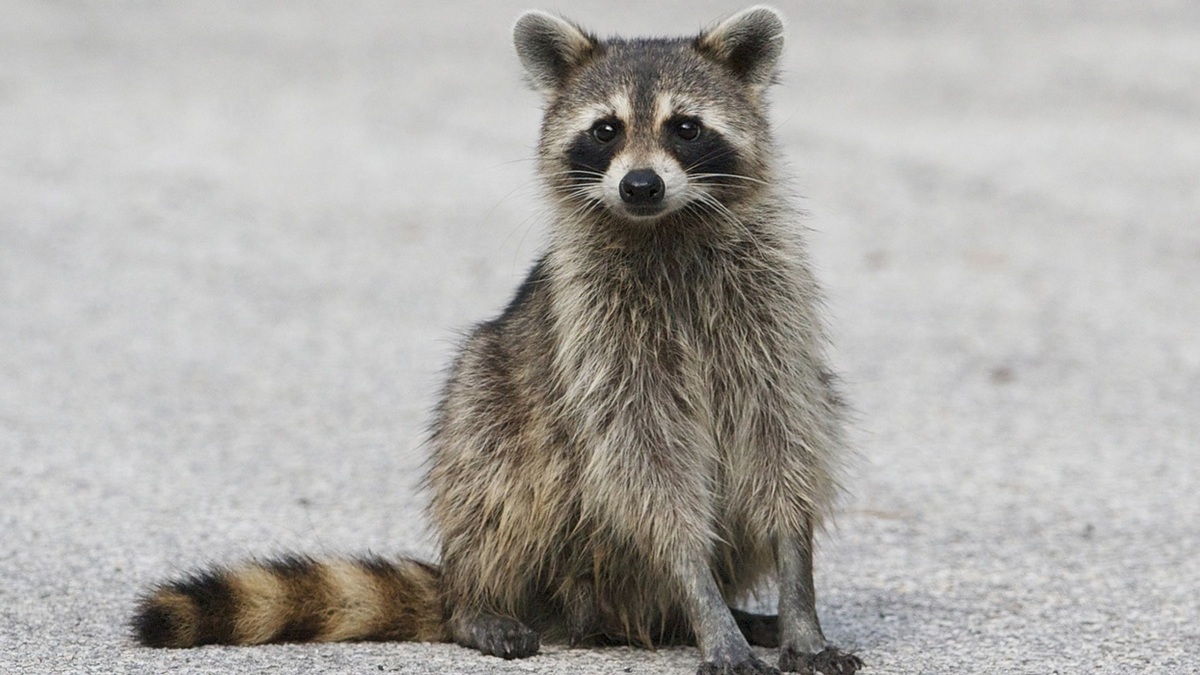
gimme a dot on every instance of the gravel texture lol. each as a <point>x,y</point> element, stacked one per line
<point>238,239</point>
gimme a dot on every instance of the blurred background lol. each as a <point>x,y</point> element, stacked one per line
<point>239,240</point>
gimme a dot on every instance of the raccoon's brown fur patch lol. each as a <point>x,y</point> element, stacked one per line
<point>648,432</point>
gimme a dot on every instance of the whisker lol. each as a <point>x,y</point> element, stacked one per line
<point>504,164</point>
<point>731,186</point>
<point>589,167</point>
<point>709,157</point>
<point>583,191</point>
<point>730,175</point>
<point>575,172</point>
<point>716,208</point>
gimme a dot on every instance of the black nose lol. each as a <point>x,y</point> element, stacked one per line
<point>642,187</point>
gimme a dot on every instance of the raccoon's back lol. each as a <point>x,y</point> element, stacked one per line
<point>295,599</point>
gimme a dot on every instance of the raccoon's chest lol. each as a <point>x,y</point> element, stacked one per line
<point>746,349</point>
<point>709,339</point>
<point>702,340</point>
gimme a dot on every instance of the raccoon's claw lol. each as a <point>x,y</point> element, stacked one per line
<point>830,661</point>
<point>751,666</point>
<point>501,636</point>
<point>511,641</point>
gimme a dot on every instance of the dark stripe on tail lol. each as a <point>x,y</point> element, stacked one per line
<point>409,588</point>
<point>306,598</point>
<point>188,612</point>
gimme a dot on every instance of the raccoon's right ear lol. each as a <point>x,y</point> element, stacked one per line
<point>551,49</point>
<point>748,43</point>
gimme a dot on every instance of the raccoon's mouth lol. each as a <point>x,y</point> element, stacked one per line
<point>647,212</point>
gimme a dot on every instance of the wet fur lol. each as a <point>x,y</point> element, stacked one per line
<point>648,432</point>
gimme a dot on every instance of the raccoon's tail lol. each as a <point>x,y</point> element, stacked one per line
<point>296,599</point>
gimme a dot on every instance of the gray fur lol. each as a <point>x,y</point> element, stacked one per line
<point>750,41</point>
<point>550,48</point>
<point>648,433</point>
<point>652,424</point>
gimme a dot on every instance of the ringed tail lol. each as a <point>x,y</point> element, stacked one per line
<point>295,599</point>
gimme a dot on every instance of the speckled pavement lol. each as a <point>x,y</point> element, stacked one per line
<point>238,240</point>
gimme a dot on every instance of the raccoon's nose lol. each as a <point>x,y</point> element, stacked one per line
<point>642,187</point>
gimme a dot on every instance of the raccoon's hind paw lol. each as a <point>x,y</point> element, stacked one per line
<point>830,661</point>
<point>497,636</point>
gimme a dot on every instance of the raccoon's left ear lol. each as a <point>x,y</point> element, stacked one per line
<point>551,49</point>
<point>748,43</point>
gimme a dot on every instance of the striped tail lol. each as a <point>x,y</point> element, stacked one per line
<point>296,599</point>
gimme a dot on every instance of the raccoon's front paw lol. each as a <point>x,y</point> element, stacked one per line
<point>499,636</point>
<point>830,661</point>
<point>750,666</point>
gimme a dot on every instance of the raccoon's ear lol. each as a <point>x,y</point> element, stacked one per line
<point>748,43</point>
<point>551,49</point>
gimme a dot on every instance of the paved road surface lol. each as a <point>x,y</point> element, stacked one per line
<point>237,240</point>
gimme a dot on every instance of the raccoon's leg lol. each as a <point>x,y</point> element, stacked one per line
<point>804,649</point>
<point>580,612</point>
<point>495,635</point>
<point>722,645</point>
<point>761,630</point>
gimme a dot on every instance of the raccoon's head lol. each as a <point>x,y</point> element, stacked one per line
<point>648,128</point>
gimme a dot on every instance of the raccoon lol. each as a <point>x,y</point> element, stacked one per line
<point>647,433</point>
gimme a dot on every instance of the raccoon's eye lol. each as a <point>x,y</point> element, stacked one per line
<point>688,129</point>
<point>604,131</point>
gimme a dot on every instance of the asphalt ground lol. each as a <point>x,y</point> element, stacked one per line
<point>238,241</point>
